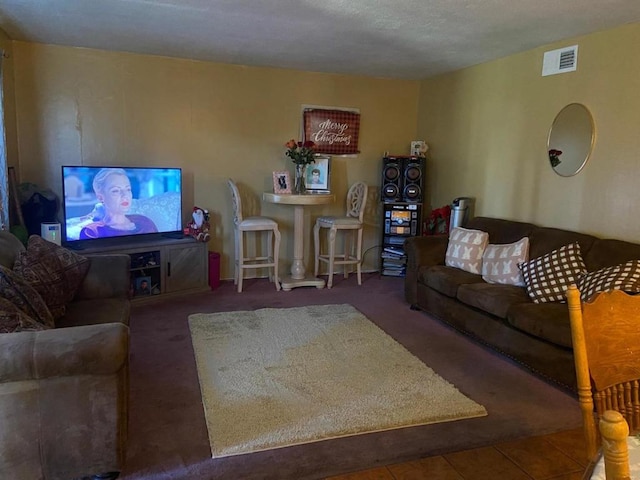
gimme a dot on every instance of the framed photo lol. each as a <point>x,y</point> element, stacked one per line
<point>281,182</point>
<point>419,148</point>
<point>143,286</point>
<point>318,175</point>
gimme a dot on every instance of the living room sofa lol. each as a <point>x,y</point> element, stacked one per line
<point>503,317</point>
<point>63,390</point>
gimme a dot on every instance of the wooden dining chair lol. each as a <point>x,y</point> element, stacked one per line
<point>606,348</point>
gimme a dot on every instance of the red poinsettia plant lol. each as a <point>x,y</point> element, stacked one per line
<point>301,153</point>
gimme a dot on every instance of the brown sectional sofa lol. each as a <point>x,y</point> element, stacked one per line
<point>64,391</point>
<point>503,317</point>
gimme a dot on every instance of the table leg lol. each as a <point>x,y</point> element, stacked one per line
<point>297,267</point>
<point>298,277</point>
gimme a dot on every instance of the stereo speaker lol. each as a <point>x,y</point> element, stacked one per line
<point>392,173</point>
<point>413,179</point>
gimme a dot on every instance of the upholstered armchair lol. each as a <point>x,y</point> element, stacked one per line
<point>64,390</point>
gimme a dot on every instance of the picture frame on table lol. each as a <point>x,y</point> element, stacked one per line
<point>281,182</point>
<point>143,286</point>
<point>317,176</point>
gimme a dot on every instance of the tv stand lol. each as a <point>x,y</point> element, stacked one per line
<point>176,235</point>
<point>170,266</point>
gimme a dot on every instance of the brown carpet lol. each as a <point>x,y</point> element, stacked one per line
<point>167,430</point>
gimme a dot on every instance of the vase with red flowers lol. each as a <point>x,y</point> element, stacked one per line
<point>301,154</point>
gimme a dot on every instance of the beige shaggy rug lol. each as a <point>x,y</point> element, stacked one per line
<point>277,377</point>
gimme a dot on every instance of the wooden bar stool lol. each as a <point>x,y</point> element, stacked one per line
<point>353,225</point>
<point>253,224</point>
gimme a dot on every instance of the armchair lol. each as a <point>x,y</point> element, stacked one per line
<point>64,391</point>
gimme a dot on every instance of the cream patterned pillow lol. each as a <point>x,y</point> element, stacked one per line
<point>500,262</point>
<point>465,249</point>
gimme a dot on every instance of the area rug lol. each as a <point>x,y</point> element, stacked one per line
<point>274,377</point>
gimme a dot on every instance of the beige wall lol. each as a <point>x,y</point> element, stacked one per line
<point>487,127</point>
<point>90,107</point>
<point>8,96</point>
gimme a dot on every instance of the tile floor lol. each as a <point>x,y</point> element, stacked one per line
<point>558,456</point>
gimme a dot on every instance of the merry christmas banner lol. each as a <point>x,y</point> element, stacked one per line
<point>335,132</point>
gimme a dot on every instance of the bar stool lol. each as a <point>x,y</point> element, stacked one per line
<point>352,224</point>
<point>253,224</point>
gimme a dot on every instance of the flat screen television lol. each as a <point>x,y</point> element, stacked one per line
<point>109,204</point>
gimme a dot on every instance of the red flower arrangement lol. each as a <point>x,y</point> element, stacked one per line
<point>301,153</point>
<point>554,157</point>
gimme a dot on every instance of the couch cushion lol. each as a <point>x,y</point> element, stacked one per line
<point>55,272</point>
<point>12,319</point>
<point>624,277</point>
<point>544,240</point>
<point>500,262</point>
<point>608,253</point>
<point>15,289</point>
<point>548,321</point>
<point>547,277</point>
<point>465,249</point>
<point>446,280</point>
<point>500,230</point>
<point>10,247</point>
<point>493,299</point>
<point>95,311</point>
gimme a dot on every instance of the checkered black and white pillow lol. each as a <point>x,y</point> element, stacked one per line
<point>547,277</point>
<point>624,277</point>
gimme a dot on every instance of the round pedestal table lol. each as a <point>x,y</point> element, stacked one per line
<point>298,276</point>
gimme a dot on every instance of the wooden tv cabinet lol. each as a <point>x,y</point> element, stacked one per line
<point>171,266</point>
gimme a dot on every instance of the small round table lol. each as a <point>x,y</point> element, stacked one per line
<point>298,277</point>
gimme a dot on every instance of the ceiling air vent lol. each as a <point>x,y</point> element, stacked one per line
<point>561,60</point>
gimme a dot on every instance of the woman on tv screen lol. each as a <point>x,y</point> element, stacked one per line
<point>113,192</point>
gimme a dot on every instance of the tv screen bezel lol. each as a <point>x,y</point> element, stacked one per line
<point>120,239</point>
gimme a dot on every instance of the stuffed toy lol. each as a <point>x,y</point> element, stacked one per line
<point>199,227</point>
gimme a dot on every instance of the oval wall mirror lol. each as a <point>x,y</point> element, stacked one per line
<point>571,139</point>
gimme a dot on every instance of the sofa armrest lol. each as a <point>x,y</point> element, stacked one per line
<point>87,350</point>
<point>421,252</point>
<point>108,276</point>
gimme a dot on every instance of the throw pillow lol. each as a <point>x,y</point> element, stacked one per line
<point>16,290</point>
<point>54,271</point>
<point>465,249</point>
<point>500,262</point>
<point>624,277</point>
<point>547,277</point>
<point>12,319</point>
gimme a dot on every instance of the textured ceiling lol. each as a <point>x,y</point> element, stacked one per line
<point>409,39</point>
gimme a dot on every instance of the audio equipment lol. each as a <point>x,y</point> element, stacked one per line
<point>401,220</point>
<point>402,195</point>
<point>392,170</point>
<point>402,179</point>
<point>413,179</point>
